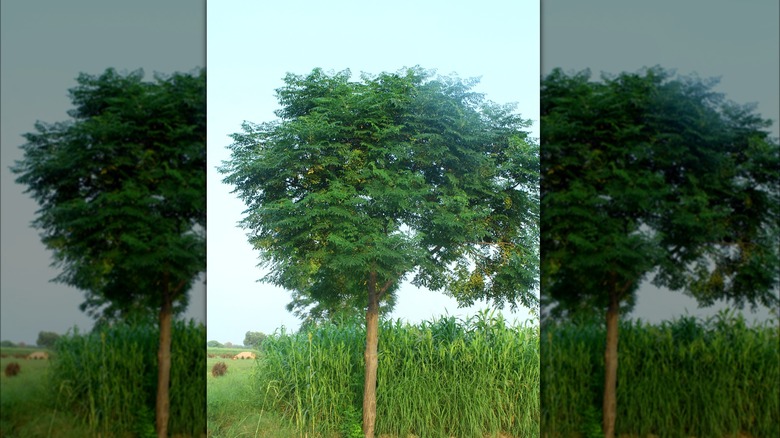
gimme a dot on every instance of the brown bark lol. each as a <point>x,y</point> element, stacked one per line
<point>610,366</point>
<point>164,365</point>
<point>371,358</point>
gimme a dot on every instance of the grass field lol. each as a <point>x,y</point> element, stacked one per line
<point>28,408</point>
<point>233,410</point>
<point>446,378</point>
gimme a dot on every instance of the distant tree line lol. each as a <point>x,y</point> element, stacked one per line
<point>251,339</point>
<point>45,340</point>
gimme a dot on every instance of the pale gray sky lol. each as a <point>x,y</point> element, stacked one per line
<point>44,46</point>
<point>251,45</point>
<point>736,41</point>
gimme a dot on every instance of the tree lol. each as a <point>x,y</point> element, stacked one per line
<point>361,184</point>
<point>47,339</point>
<point>647,174</point>
<point>313,312</point>
<point>122,197</point>
<point>214,344</point>
<point>254,339</point>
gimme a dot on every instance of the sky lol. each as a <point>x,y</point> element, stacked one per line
<point>252,45</point>
<point>44,46</point>
<point>736,41</point>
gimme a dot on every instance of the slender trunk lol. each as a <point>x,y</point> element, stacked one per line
<point>610,365</point>
<point>372,341</point>
<point>164,364</point>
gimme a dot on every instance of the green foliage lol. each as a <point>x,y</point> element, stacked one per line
<point>122,195</point>
<point>364,182</point>
<point>214,344</point>
<point>108,378</point>
<point>687,377</point>
<point>253,339</point>
<point>7,343</point>
<point>313,312</point>
<point>121,189</point>
<point>648,172</point>
<point>47,339</point>
<point>443,378</point>
<point>351,425</point>
<point>592,423</point>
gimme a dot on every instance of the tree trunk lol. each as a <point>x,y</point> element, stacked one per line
<point>372,341</point>
<point>610,366</point>
<point>164,365</point>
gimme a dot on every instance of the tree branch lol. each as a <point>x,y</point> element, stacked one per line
<point>387,285</point>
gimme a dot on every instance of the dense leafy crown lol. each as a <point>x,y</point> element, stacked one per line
<point>394,174</point>
<point>121,187</point>
<point>648,173</point>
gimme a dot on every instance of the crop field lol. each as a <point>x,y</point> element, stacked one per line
<point>685,378</point>
<point>104,384</point>
<point>445,378</point>
<point>110,378</point>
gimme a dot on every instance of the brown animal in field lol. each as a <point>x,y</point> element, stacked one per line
<point>38,355</point>
<point>244,355</point>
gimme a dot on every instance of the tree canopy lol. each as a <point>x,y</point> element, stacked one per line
<point>121,189</point>
<point>391,174</point>
<point>254,339</point>
<point>361,184</point>
<point>651,175</point>
<point>47,339</point>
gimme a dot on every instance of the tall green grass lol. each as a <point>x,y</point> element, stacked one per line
<point>473,378</point>
<point>109,378</point>
<point>704,378</point>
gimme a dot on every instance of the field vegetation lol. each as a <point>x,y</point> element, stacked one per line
<point>445,378</point>
<point>104,384</point>
<point>28,406</point>
<point>20,352</point>
<point>685,378</point>
<point>233,408</point>
<point>228,352</point>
